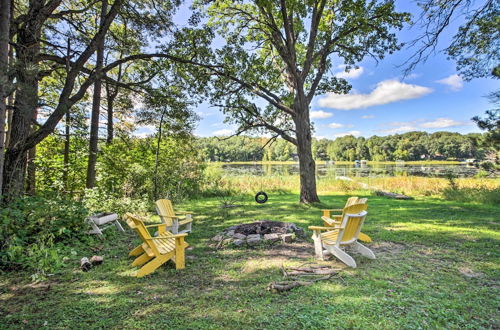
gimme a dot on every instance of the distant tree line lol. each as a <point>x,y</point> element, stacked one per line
<point>408,146</point>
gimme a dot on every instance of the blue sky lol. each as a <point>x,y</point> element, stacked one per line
<point>433,98</point>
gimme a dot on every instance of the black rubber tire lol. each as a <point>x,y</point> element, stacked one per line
<point>259,200</point>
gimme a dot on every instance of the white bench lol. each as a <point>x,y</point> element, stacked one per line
<point>105,220</point>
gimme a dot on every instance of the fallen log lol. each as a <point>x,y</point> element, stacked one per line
<point>279,287</point>
<point>392,195</point>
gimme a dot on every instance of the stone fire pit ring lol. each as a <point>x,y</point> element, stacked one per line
<point>258,232</point>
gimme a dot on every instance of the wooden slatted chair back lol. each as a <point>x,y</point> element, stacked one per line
<point>165,210</point>
<point>143,232</point>
<point>353,219</point>
<point>351,201</point>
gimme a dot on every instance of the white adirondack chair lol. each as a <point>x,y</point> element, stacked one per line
<point>330,240</point>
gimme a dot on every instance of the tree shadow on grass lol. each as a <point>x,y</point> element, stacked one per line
<point>227,288</point>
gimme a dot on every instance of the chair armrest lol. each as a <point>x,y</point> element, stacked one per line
<point>322,228</point>
<point>168,216</point>
<point>169,237</point>
<point>329,221</point>
<point>155,225</point>
<point>334,210</point>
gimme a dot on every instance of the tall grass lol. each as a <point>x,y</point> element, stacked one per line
<point>483,190</point>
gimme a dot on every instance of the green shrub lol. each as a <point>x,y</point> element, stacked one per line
<point>98,200</point>
<point>32,230</point>
<point>478,195</point>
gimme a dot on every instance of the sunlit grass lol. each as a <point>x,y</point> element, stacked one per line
<point>436,267</point>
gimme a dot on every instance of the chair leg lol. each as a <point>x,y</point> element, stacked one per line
<point>180,262</point>
<point>175,227</point>
<point>95,229</point>
<point>318,246</point>
<point>364,250</point>
<point>344,257</point>
<point>136,251</point>
<point>119,226</point>
<point>151,266</point>
<point>141,260</point>
<point>364,238</point>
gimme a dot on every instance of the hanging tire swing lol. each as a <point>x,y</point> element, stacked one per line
<point>261,197</point>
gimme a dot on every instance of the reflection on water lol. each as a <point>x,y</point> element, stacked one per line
<point>356,170</point>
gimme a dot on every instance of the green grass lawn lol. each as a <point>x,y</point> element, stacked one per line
<point>437,266</point>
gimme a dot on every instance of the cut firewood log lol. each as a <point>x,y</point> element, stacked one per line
<point>96,260</point>
<point>85,264</point>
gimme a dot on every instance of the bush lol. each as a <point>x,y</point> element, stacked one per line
<point>32,229</point>
<point>477,194</point>
<point>98,200</point>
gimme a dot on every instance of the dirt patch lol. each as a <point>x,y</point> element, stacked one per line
<point>387,247</point>
<point>295,250</point>
<point>467,272</point>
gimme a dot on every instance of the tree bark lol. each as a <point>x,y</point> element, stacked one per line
<point>110,135</point>
<point>157,158</point>
<point>25,103</point>
<point>4,77</point>
<point>31,168</point>
<point>307,166</point>
<point>66,150</point>
<point>96,107</point>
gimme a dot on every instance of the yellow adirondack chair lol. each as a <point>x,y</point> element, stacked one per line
<point>330,239</point>
<point>172,219</point>
<point>155,251</point>
<point>332,220</point>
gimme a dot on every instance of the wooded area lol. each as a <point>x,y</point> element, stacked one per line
<point>408,146</point>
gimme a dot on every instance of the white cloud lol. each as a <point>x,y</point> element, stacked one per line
<point>352,74</point>
<point>407,126</point>
<point>335,125</point>
<point>441,123</point>
<point>320,114</point>
<point>223,132</point>
<point>454,81</point>
<point>413,76</point>
<point>400,129</point>
<point>368,116</point>
<point>143,131</point>
<point>387,91</point>
<point>353,133</point>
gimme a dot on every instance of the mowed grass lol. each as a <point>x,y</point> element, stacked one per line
<point>437,266</point>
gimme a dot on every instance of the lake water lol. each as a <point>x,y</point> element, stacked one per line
<point>363,170</point>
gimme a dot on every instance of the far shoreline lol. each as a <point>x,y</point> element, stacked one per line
<point>323,162</point>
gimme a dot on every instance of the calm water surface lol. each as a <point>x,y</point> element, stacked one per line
<point>363,170</point>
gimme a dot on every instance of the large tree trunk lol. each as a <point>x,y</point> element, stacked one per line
<point>96,107</point>
<point>25,104</point>
<point>307,166</point>
<point>4,77</point>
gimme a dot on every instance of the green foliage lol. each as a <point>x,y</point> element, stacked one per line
<point>32,228</point>
<point>125,168</point>
<point>237,148</point>
<point>478,195</point>
<point>98,200</point>
<point>409,146</point>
